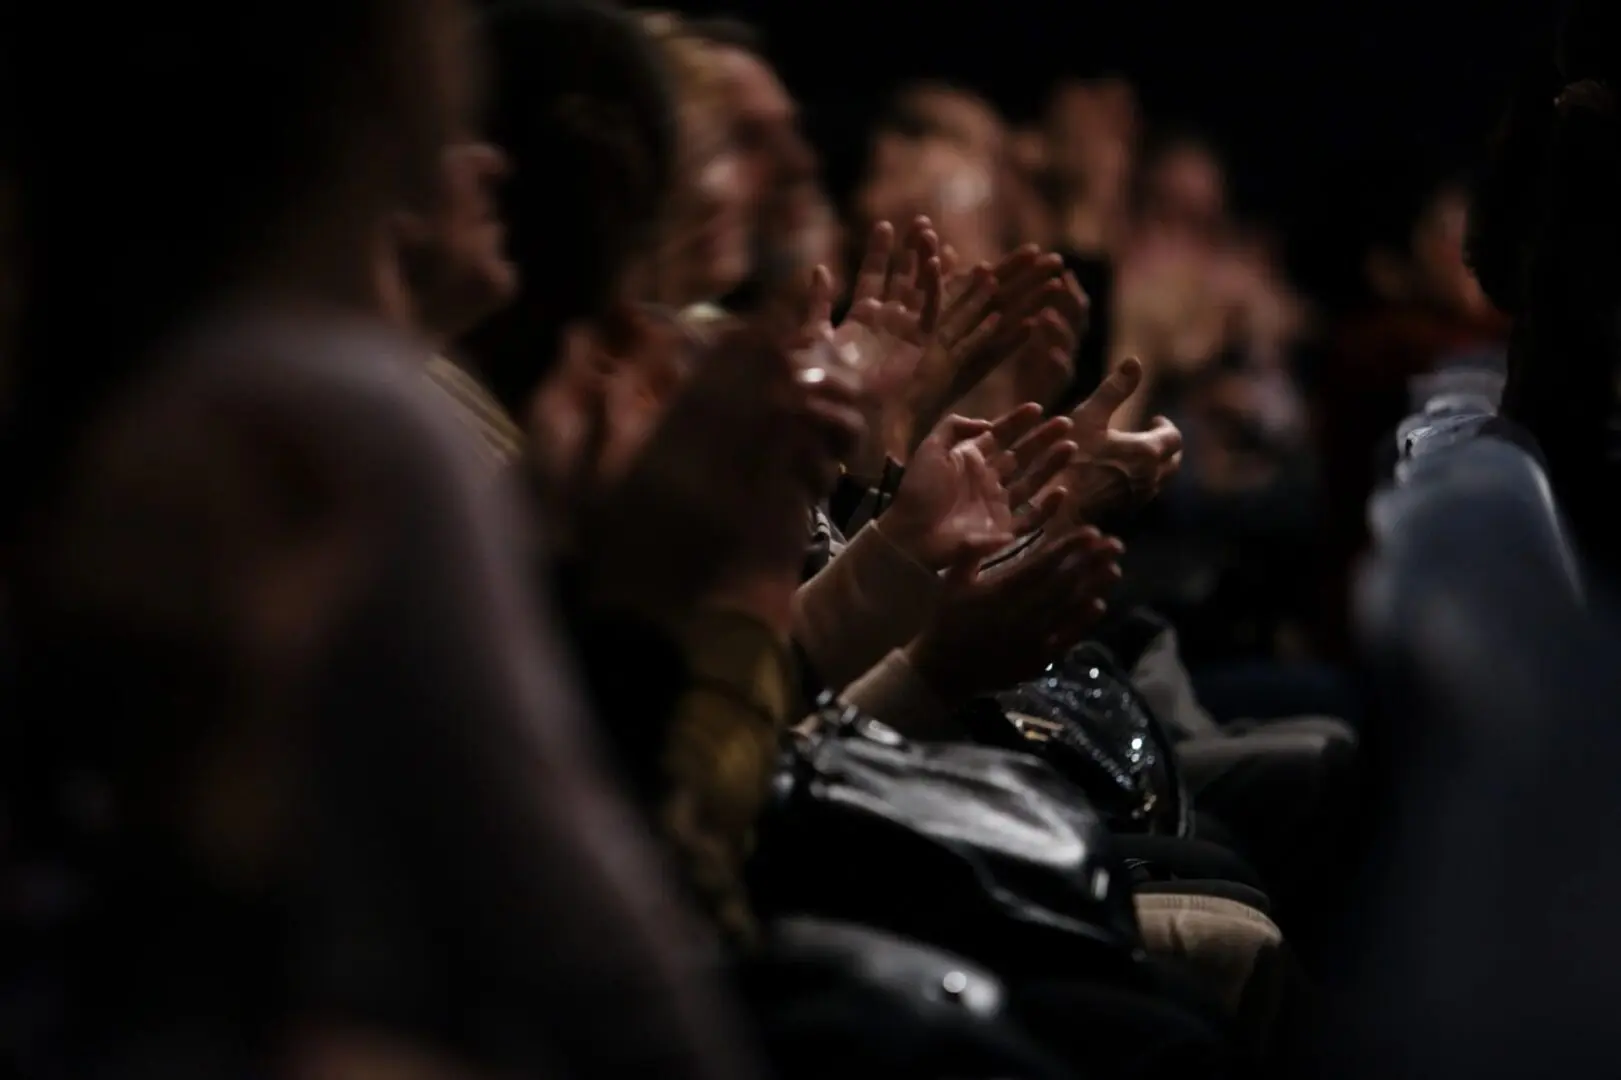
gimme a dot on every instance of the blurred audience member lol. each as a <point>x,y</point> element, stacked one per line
<point>776,159</point>
<point>1028,215</point>
<point>453,260</point>
<point>953,113</point>
<point>1545,242</point>
<point>704,252</point>
<point>1177,295</point>
<point>1092,131</point>
<point>452,250</point>
<point>1271,318</point>
<point>936,178</point>
<point>264,568</point>
<point>823,240</point>
<point>1183,193</point>
<point>963,118</point>
<point>1425,309</point>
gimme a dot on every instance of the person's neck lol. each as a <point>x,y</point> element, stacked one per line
<point>1089,220</point>
<point>337,263</point>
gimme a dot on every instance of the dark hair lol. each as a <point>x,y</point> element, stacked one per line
<point>1165,143</point>
<point>1502,215</point>
<point>1407,187</point>
<point>1520,177</point>
<point>584,109</point>
<point>1546,246</point>
<point>728,32</point>
<point>905,114</point>
<point>156,154</point>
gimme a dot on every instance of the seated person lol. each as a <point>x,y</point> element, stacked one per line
<point>259,568</point>
<point>702,761</point>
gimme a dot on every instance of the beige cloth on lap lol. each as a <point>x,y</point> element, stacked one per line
<point>1231,947</point>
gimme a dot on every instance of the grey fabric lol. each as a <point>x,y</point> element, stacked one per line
<point>1285,788</point>
<point>1164,683</point>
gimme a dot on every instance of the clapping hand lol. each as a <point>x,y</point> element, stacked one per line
<point>995,630</point>
<point>909,331</point>
<point>717,497</point>
<point>974,486</point>
<point>1113,469</point>
<point>1032,320</point>
<point>895,312</point>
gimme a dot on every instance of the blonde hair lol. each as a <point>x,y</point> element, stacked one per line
<point>699,81</point>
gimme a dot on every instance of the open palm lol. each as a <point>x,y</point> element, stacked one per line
<point>966,491</point>
<point>952,504</point>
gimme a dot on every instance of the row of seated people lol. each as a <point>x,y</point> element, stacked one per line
<point>278,612</point>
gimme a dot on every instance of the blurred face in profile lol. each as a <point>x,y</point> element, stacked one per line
<point>454,256</point>
<point>1268,316</point>
<point>1440,269</point>
<point>772,151</point>
<point>706,248</point>
<point>1091,129</point>
<point>960,117</point>
<point>938,178</point>
<point>1185,194</point>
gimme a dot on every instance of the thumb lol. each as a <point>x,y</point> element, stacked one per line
<point>820,312</point>
<point>1112,393</point>
<point>1164,437</point>
<point>957,429</point>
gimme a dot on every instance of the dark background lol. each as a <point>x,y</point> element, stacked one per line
<point>1314,104</point>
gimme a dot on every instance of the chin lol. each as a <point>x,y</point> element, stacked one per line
<point>721,277</point>
<point>502,279</point>
<point>734,268</point>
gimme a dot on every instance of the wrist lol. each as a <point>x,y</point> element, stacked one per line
<point>937,670</point>
<point>895,435</point>
<point>907,537</point>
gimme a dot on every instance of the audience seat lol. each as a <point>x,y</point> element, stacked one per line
<point>1487,916</point>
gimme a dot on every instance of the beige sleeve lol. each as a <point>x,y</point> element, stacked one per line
<point>895,693</point>
<point>870,599</point>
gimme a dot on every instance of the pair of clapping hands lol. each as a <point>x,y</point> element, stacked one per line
<point>974,487</point>
<point>714,508</point>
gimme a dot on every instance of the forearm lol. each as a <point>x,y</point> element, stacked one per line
<point>894,692</point>
<point>871,599</point>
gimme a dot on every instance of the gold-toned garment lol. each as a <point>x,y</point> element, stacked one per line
<point>497,431</point>
<point>722,740</point>
<point>720,750</point>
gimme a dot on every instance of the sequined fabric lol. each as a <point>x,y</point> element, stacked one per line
<point>1088,721</point>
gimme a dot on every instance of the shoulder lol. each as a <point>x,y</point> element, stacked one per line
<point>256,442</point>
<point>324,402</point>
